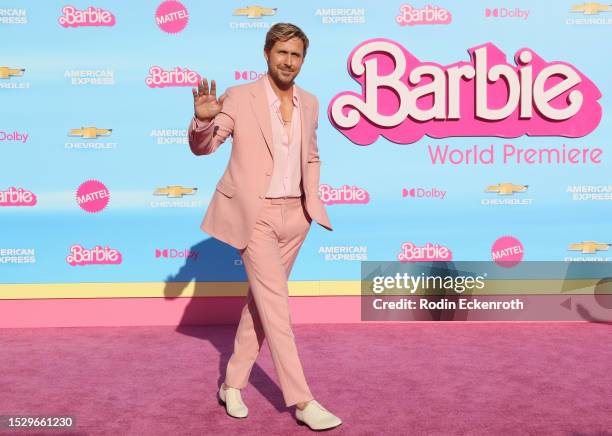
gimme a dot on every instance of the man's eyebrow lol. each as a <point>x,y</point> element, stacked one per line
<point>282,50</point>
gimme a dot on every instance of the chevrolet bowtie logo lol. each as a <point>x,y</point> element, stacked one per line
<point>255,11</point>
<point>506,188</point>
<point>589,247</point>
<point>89,132</point>
<point>175,191</point>
<point>7,73</point>
<point>591,8</point>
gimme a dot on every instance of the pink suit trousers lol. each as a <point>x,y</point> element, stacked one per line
<point>280,229</point>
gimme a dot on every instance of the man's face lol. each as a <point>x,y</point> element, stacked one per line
<point>285,60</point>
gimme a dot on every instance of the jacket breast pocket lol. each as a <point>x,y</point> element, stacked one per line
<point>226,188</point>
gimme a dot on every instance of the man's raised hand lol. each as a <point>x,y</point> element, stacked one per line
<point>205,103</point>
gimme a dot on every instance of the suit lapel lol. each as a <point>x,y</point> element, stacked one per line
<point>305,123</point>
<point>259,102</point>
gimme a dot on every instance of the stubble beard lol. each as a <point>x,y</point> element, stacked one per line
<point>280,80</point>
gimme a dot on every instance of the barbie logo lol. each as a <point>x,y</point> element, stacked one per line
<point>17,197</point>
<point>427,253</point>
<point>160,78</point>
<point>404,99</point>
<point>346,194</point>
<point>410,16</point>
<point>89,17</point>
<point>80,255</point>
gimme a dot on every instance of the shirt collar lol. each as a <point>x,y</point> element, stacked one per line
<point>273,98</point>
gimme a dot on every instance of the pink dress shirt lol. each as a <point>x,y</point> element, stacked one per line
<point>286,142</point>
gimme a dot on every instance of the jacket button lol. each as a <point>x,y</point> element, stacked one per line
<point>268,174</point>
<point>261,196</point>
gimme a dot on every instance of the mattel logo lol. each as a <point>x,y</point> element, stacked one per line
<point>92,196</point>
<point>173,253</point>
<point>433,193</point>
<point>507,251</point>
<point>507,13</point>
<point>248,75</point>
<point>171,16</point>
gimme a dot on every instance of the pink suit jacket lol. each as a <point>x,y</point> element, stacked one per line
<point>240,192</point>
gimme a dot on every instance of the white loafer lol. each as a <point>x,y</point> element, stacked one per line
<point>233,402</point>
<point>317,417</point>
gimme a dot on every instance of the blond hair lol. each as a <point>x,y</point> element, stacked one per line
<point>284,32</point>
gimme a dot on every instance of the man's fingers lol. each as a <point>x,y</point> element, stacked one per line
<point>213,89</point>
<point>205,86</point>
<point>222,98</point>
<point>194,91</point>
<point>200,87</point>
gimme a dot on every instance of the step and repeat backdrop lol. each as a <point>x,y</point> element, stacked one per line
<point>448,131</point>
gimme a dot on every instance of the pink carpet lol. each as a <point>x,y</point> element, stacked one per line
<point>379,378</point>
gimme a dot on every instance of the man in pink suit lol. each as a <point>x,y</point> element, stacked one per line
<point>263,205</point>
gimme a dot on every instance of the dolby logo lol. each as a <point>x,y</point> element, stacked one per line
<point>173,253</point>
<point>507,13</point>
<point>248,75</point>
<point>434,193</point>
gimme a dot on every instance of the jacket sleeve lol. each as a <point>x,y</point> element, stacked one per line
<point>205,138</point>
